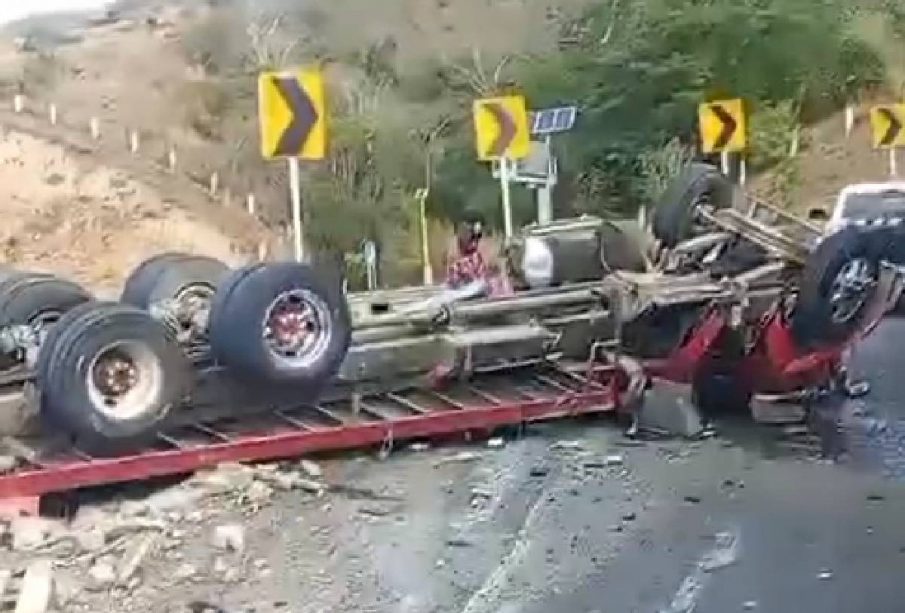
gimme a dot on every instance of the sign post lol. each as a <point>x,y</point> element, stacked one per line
<point>292,117</point>
<point>887,124</point>
<point>501,133</point>
<point>427,272</point>
<point>723,130</point>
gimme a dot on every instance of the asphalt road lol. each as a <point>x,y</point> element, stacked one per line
<point>574,519</point>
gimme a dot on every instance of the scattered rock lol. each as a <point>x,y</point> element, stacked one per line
<point>135,556</point>
<point>5,577</point>
<point>284,481</point>
<point>374,511</point>
<point>692,499</point>
<point>566,446</point>
<point>496,443</point>
<point>539,471</point>
<point>8,463</point>
<point>185,572</point>
<point>876,497</point>
<point>724,553</point>
<point>90,540</point>
<point>102,575</point>
<point>29,533</point>
<point>258,492</point>
<point>629,517</point>
<point>36,593</point>
<point>749,605</point>
<point>225,478</point>
<point>195,517</point>
<point>607,462</point>
<point>220,566</point>
<point>173,499</point>
<point>458,542</point>
<point>461,457</point>
<point>825,575</point>
<point>229,537</point>
<point>312,469</point>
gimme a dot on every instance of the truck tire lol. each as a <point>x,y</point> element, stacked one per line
<point>109,376</point>
<point>280,323</point>
<point>674,215</point>
<point>165,276</point>
<point>37,299</point>
<point>837,282</point>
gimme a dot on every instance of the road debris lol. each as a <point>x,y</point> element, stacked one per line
<point>311,469</point>
<point>36,593</point>
<point>8,463</point>
<point>229,537</point>
<point>825,575</point>
<point>460,457</point>
<point>102,574</point>
<point>30,533</point>
<point>135,556</point>
<point>566,446</point>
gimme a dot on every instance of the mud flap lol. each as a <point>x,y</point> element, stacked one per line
<point>669,409</point>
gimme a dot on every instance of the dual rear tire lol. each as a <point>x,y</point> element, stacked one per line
<point>111,374</point>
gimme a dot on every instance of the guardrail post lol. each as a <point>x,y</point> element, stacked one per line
<point>215,183</point>
<point>18,103</point>
<point>171,159</point>
<point>134,142</point>
<point>250,204</point>
<point>94,126</point>
<point>53,114</point>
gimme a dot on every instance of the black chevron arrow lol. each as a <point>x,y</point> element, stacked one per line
<point>304,116</point>
<point>729,126</point>
<point>506,125</point>
<point>895,127</point>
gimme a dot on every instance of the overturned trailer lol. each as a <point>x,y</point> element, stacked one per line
<point>712,293</point>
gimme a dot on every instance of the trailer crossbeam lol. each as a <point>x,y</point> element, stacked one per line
<point>290,432</point>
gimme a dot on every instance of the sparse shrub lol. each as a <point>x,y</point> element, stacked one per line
<point>205,105</point>
<point>41,72</point>
<point>215,43</point>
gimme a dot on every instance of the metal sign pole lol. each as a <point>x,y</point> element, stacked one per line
<point>724,163</point>
<point>545,191</point>
<point>296,194</point>
<point>507,205</point>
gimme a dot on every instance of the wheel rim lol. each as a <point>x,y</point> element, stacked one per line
<point>196,298</point>
<point>850,288</point>
<point>297,328</point>
<point>124,380</point>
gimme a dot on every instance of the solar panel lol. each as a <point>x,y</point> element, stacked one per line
<point>552,121</point>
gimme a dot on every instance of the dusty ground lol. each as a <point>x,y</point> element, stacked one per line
<point>568,519</point>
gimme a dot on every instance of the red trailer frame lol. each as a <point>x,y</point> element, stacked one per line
<point>487,403</point>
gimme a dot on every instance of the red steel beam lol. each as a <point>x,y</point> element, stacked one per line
<point>69,476</point>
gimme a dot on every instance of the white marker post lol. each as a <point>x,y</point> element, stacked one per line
<point>507,204</point>
<point>724,162</point>
<point>296,195</point>
<point>893,163</point>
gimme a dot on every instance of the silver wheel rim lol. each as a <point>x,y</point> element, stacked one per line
<point>849,290</point>
<point>124,380</point>
<point>297,328</point>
